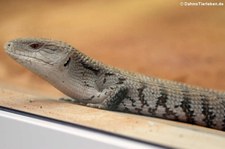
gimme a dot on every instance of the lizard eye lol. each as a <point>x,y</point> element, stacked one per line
<point>35,45</point>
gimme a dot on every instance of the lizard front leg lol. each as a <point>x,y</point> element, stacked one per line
<point>109,98</point>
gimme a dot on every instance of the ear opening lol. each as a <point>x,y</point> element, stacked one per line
<point>67,62</point>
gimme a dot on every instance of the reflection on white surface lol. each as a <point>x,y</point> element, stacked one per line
<point>22,132</point>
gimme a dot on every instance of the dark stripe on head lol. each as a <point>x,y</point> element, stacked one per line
<point>91,68</point>
<point>186,107</point>
<point>209,115</point>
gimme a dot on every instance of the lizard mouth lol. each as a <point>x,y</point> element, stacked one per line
<point>21,57</point>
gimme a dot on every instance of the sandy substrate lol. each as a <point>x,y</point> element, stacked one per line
<point>164,132</point>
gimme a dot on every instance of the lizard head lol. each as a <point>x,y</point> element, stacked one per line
<point>41,56</point>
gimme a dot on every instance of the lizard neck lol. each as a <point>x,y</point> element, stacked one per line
<point>79,79</point>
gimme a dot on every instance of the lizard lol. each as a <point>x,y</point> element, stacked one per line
<point>98,85</point>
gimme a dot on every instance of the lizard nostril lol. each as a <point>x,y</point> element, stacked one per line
<point>8,45</point>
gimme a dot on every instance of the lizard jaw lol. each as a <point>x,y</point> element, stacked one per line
<point>22,57</point>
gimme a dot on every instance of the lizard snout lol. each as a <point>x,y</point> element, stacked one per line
<point>7,45</point>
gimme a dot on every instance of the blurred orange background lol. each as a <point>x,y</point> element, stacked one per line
<point>157,38</point>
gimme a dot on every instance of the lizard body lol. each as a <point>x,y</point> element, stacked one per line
<point>101,86</point>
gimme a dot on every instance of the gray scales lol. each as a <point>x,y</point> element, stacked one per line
<point>94,84</point>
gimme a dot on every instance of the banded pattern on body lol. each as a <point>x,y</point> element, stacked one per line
<point>97,85</point>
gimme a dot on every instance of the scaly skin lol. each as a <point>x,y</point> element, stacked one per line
<point>101,86</point>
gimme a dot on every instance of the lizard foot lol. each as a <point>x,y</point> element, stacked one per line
<point>115,95</point>
<point>71,100</point>
<point>96,105</point>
